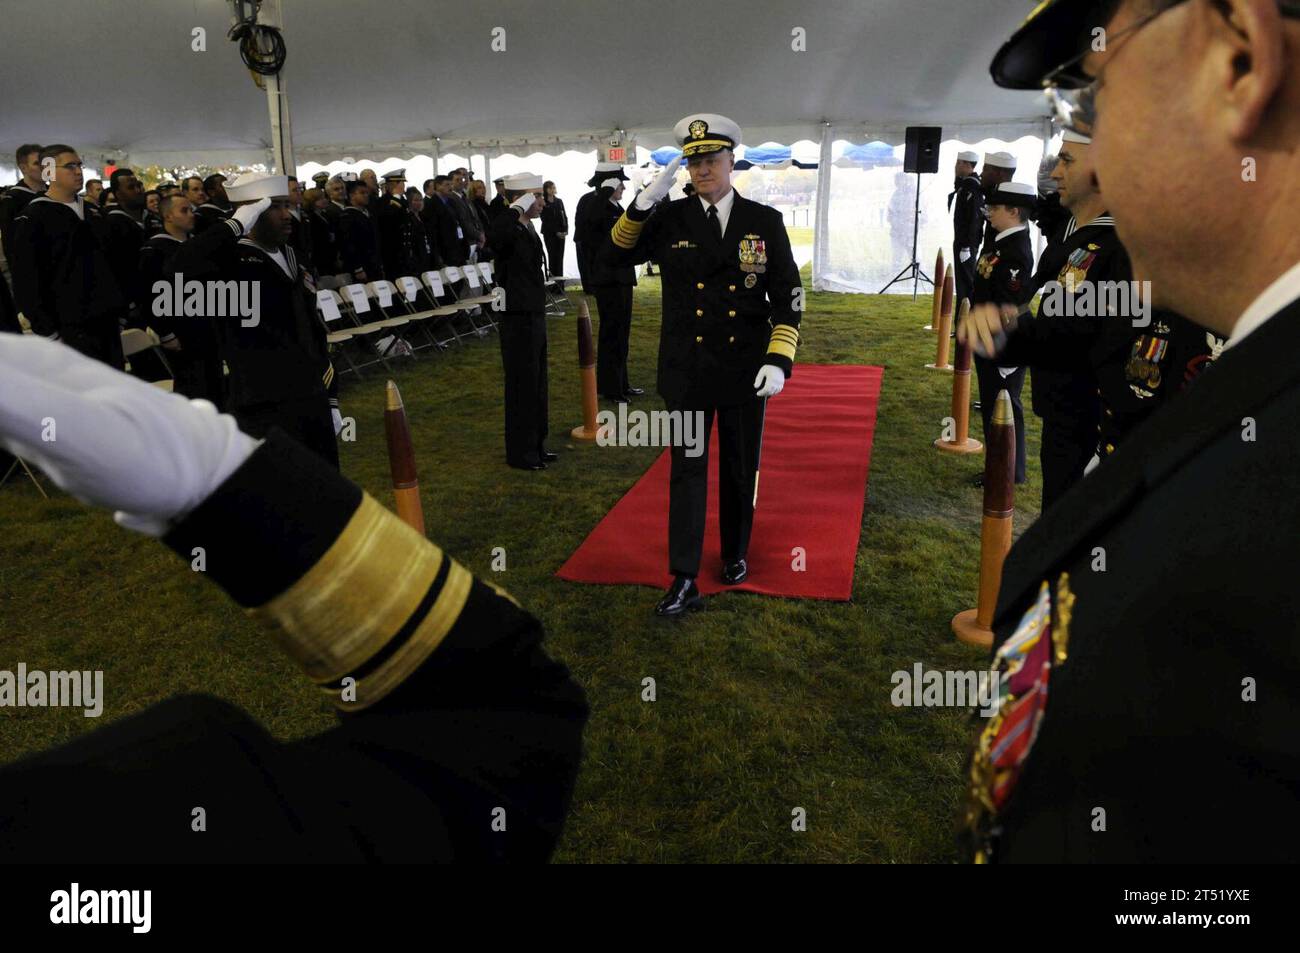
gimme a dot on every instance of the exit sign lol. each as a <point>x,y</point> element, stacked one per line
<point>617,154</point>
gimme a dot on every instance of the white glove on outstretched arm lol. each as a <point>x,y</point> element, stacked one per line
<point>770,380</point>
<point>110,439</point>
<point>247,215</point>
<point>657,189</point>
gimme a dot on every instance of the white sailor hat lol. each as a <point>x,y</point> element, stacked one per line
<point>704,133</point>
<point>348,176</point>
<point>523,182</point>
<point>395,175</point>
<point>1014,193</point>
<point>968,155</point>
<point>1071,136</point>
<point>605,170</point>
<point>1002,160</point>
<point>252,186</point>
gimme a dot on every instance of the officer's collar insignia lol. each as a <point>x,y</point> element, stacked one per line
<point>698,129</point>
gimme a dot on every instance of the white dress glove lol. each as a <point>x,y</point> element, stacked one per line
<point>964,256</point>
<point>657,189</point>
<point>110,439</point>
<point>769,381</point>
<point>247,215</point>
<point>524,202</point>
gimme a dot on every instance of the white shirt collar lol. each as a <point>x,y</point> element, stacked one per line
<point>1010,231</point>
<point>1273,299</point>
<point>724,208</point>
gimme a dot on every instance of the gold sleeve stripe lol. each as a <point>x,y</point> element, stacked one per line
<point>625,231</point>
<point>783,348</point>
<point>329,375</point>
<point>411,654</point>
<point>785,332</point>
<point>361,593</point>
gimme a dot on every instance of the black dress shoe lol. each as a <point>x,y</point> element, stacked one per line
<point>548,457</point>
<point>682,596</point>
<point>529,466</point>
<point>735,572</point>
<point>635,391</point>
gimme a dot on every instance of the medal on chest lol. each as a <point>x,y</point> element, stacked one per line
<point>753,255</point>
<point>986,265</point>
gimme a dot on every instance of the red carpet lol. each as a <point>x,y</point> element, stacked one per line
<point>816,452</point>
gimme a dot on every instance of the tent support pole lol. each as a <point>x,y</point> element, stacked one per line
<point>277,100</point>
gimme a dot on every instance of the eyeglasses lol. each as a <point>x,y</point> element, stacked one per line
<point>1072,93</point>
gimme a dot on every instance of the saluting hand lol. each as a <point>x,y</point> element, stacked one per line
<point>109,438</point>
<point>657,189</point>
<point>247,215</point>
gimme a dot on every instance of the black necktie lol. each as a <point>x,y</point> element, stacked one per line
<point>715,223</point>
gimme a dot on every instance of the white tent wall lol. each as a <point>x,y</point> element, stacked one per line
<point>870,213</point>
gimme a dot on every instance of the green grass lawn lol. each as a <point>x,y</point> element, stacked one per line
<point>763,704</point>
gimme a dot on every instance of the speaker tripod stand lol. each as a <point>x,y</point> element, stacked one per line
<point>914,270</point>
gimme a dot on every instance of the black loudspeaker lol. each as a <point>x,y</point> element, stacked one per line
<point>922,153</point>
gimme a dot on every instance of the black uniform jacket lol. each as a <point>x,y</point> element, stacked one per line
<point>1134,368</point>
<point>1004,273</point>
<point>602,270</point>
<point>397,238</point>
<point>459,710</point>
<point>12,203</point>
<point>324,242</point>
<point>207,215</point>
<point>284,356</point>
<point>1172,656</point>
<point>126,236</point>
<point>445,237</point>
<point>63,280</point>
<point>197,335</point>
<point>588,205</point>
<point>967,204</point>
<point>518,262</point>
<point>358,243</point>
<point>729,306</point>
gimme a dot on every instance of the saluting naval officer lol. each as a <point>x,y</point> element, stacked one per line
<point>522,323</point>
<point>280,371</point>
<point>1147,623</point>
<point>728,338</point>
<point>587,216</point>
<point>458,738</point>
<point>1004,276</point>
<point>966,202</point>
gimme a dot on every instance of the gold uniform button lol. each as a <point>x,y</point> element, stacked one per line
<point>699,285</point>
<point>731,314</point>
<point>731,287</point>
<point>699,313</point>
<point>731,340</point>
<point>699,340</point>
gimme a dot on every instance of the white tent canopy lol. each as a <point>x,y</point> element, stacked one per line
<point>370,81</point>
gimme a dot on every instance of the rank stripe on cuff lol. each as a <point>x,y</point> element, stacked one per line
<point>370,586</point>
<point>626,232</point>
<point>784,341</point>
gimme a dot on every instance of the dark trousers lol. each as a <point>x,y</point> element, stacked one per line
<point>523,357</point>
<point>554,254</point>
<point>1065,450</point>
<point>615,305</point>
<point>739,427</point>
<point>991,382</point>
<point>307,419</point>
<point>103,342</point>
<point>964,274</point>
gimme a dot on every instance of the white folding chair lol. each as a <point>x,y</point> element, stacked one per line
<point>136,340</point>
<point>340,328</point>
<point>433,280</point>
<point>413,297</point>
